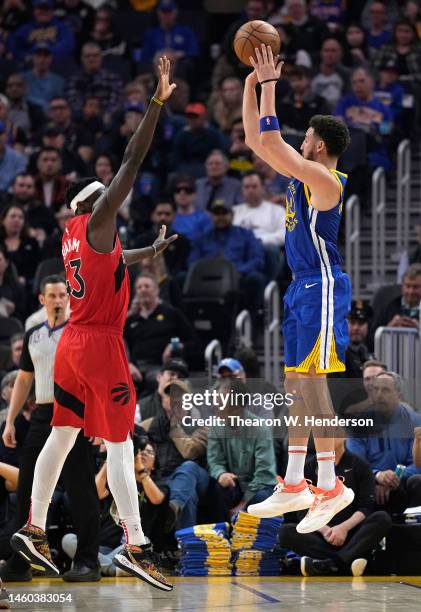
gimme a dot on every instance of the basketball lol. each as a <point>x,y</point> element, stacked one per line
<point>251,35</point>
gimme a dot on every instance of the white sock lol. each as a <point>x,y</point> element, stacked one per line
<point>326,478</point>
<point>47,471</point>
<point>122,483</point>
<point>295,468</point>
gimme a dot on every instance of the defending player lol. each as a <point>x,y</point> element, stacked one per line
<point>92,383</point>
<point>318,299</point>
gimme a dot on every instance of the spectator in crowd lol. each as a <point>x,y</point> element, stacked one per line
<point>105,168</point>
<point>300,104</point>
<point>216,184</point>
<point>331,13</point>
<point>78,15</point>
<point>49,181</point>
<point>308,32</point>
<point>12,297</point>
<point>240,154</point>
<point>362,111</point>
<point>60,114</point>
<point>45,27</point>
<point>275,185</point>
<point>412,11</point>
<point>11,162</point>
<point>355,46</point>
<point>405,51</point>
<point>389,91</point>
<point>290,53</point>
<point>404,310</point>
<point>357,352</point>
<point>16,347</point>
<point>169,34</point>
<point>333,78</point>
<point>193,144</point>
<point>148,333</point>
<point>52,244</point>
<point>230,368</point>
<point>89,127</point>
<point>39,217</point>
<point>42,84</point>
<point>378,32</point>
<point>237,245</point>
<point>172,369</point>
<point>241,459</point>
<point>21,249</point>
<point>416,449</point>
<point>92,78</point>
<point>345,544</point>
<point>392,446</point>
<point>363,398</point>
<point>23,113</point>
<point>265,219</point>
<point>225,103</point>
<point>188,220</point>
<point>103,34</point>
<point>176,255</point>
<point>72,164</point>
<point>179,448</point>
<point>152,496</point>
<point>16,137</point>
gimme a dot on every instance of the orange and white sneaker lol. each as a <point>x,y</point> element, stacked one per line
<point>285,498</point>
<point>326,504</point>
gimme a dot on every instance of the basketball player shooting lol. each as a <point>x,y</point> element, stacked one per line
<point>318,299</point>
<point>93,389</point>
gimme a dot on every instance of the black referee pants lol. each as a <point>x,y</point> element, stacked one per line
<point>79,481</point>
<point>360,541</point>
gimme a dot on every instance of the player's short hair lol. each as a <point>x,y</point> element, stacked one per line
<point>333,132</point>
<point>51,279</point>
<point>76,186</point>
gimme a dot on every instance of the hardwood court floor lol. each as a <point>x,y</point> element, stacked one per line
<point>248,594</point>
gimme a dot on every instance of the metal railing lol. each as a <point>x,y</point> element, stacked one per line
<point>403,196</point>
<point>243,329</point>
<point>400,349</point>
<point>352,233</point>
<point>271,335</point>
<point>378,227</point>
<point>213,355</point>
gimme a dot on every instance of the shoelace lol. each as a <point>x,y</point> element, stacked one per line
<point>281,484</point>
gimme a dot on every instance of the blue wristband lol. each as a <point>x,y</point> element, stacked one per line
<point>269,124</point>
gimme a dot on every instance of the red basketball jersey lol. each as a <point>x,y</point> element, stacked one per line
<point>98,283</point>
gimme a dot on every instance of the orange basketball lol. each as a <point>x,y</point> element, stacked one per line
<point>251,35</point>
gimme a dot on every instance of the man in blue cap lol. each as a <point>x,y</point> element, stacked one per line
<point>170,35</point>
<point>42,85</point>
<point>230,368</point>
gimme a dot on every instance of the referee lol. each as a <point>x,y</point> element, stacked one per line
<point>37,363</point>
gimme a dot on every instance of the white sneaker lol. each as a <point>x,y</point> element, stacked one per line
<point>286,498</point>
<point>358,567</point>
<point>326,504</point>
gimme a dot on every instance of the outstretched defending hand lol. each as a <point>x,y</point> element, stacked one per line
<point>266,65</point>
<point>161,243</point>
<point>164,88</point>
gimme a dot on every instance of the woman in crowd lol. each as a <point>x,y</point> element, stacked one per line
<point>22,250</point>
<point>404,52</point>
<point>355,47</point>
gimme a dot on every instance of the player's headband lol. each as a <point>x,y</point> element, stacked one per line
<point>85,193</point>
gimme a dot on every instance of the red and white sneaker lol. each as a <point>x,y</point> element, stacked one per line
<point>285,498</point>
<point>326,504</point>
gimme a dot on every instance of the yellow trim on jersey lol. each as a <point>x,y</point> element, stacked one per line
<point>307,194</point>
<point>313,359</point>
<point>341,187</point>
<point>341,173</point>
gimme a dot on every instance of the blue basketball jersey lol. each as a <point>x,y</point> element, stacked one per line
<point>311,235</point>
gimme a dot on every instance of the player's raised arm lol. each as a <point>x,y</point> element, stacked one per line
<point>323,185</point>
<point>133,256</point>
<point>135,151</point>
<point>251,122</point>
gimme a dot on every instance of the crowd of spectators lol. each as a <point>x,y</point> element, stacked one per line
<point>75,79</point>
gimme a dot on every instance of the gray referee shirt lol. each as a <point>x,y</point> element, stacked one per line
<point>38,354</point>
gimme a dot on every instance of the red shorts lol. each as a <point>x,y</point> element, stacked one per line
<point>93,388</point>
